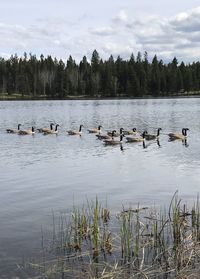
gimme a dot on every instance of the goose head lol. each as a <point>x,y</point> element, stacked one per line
<point>184,131</point>
<point>121,130</point>
<point>51,126</point>
<point>80,127</point>
<point>158,133</point>
<point>113,132</point>
<point>18,127</point>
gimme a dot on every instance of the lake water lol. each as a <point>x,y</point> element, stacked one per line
<point>40,173</point>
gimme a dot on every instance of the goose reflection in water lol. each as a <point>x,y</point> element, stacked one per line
<point>145,145</point>
<point>121,147</point>
<point>185,143</point>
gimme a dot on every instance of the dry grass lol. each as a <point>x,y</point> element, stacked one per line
<point>136,243</point>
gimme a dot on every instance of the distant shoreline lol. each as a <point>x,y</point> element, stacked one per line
<point>16,97</point>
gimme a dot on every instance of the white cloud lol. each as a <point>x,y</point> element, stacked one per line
<point>121,17</point>
<point>187,22</point>
<point>104,31</point>
<point>116,49</point>
<point>124,34</point>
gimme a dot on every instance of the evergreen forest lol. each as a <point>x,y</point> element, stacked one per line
<point>49,78</point>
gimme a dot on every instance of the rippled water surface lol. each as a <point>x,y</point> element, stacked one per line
<point>40,173</point>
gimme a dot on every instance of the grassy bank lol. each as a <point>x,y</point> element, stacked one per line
<point>138,242</point>
<point>19,97</point>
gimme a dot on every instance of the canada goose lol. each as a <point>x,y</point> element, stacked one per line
<point>27,132</point>
<point>106,137</point>
<point>110,133</point>
<point>152,136</point>
<point>131,132</point>
<point>137,138</point>
<point>43,130</point>
<point>52,132</point>
<point>114,141</point>
<point>74,132</point>
<point>96,130</point>
<point>174,136</point>
<point>14,131</point>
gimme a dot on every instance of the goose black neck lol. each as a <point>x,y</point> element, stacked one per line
<point>19,126</point>
<point>51,126</point>
<point>185,132</point>
<point>80,128</point>
<point>113,133</point>
<point>158,132</point>
<point>56,127</point>
<point>32,129</point>
<point>144,134</point>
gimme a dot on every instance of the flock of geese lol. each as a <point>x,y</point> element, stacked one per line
<point>110,138</point>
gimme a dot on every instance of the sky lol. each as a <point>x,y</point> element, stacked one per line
<point>76,27</point>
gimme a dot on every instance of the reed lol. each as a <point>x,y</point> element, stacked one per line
<point>90,242</point>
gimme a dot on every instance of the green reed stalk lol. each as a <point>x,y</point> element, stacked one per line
<point>95,227</point>
<point>158,245</point>
<point>126,235</point>
<point>137,235</point>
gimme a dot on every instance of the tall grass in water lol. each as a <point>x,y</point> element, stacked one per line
<point>135,243</point>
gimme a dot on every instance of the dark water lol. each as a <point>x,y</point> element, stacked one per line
<point>40,173</point>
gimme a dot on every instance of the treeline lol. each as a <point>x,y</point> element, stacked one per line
<point>47,77</point>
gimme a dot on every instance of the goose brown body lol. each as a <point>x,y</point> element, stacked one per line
<point>110,133</point>
<point>137,138</point>
<point>44,130</point>
<point>152,136</point>
<point>101,137</point>
<point>14,131</point>
<point>52,132</point>
<point>27,132</point>
<point>114,141</point>
<point>75,132</point>
<point>174,136</point>
<point>95,130</point>
<point>131,132</point>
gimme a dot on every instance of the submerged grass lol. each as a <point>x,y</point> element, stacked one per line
<point>136,243</point>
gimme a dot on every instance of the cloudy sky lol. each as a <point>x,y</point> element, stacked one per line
<point>77,27</point>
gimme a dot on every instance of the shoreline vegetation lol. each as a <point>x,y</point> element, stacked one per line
<point>20,97</point>
<point>141,242</point>
<point>28,77</point>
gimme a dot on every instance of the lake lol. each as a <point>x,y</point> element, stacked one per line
<point>41,174</point>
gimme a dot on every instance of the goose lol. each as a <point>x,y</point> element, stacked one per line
<point>74,132</point>
<point>52,132</point>
<point>174,136</point>
<point>96,130</point>
<point>131,132</point>
<point>27,132</point>
<point>106,137</point>
<point>152,136</point>
<point>110,133</point>
<point>114,141</point>
<point>43,130</point>
<point>13,131</point>
<point>137,138</point>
